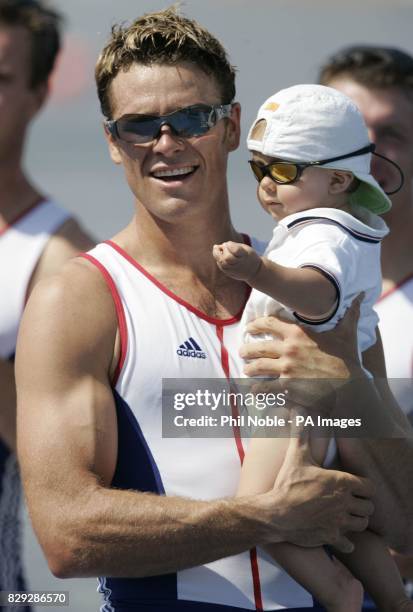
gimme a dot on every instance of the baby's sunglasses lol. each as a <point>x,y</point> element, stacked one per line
<point>185,123</point>
<point>284,172</point>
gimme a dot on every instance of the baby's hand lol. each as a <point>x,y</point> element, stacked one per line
<point>236,260</point>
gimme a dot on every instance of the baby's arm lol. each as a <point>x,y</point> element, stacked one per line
<point>304,290</point>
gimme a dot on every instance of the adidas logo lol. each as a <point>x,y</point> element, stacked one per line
<point>190,348</point>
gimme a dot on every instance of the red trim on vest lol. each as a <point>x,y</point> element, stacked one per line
<point>256,580</point>
<point>241,454</point>
<point>393,289</point>
<point>120,313</point>
<point>175,297</point>
<point>20,216</point>
<point>234,408</point>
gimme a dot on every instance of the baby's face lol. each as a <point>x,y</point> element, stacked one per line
<point>311,190</point>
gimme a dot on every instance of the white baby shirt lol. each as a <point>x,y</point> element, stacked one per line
<point>343,247</point>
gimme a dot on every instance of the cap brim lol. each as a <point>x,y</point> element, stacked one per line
<point>370,195</point>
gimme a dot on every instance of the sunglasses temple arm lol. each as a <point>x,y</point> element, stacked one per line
<point>400,171</point>
<point>369,149</point>
<point>111,127</point>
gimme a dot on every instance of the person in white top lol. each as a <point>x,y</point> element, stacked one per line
<point>36,235</point>
<point>311,156</point>
<point>379,79</point>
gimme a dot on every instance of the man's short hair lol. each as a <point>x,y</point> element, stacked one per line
<point>371,66</point>
<point>43,26</point>
<point>163,37</point>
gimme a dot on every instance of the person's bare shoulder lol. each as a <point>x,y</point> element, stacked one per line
<point>67,242</point>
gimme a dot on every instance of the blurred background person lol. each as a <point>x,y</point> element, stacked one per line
<point>36,235</point>
<point>380,81</point>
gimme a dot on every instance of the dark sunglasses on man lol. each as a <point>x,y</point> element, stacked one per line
<point>186,122</point>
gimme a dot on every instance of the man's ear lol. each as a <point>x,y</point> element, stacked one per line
<point>112,146</point>
<point>340,181</point>
<point>233,127</point>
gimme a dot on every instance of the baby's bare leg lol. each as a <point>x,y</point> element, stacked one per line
<point>262,463</point>
<point>328,580</point>
<point>265,457</point>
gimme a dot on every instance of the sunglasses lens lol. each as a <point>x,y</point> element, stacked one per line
<point>279,172</point>
<point>283,173</point>
<point>187,122</point>
<point>137,131</point>
<point>257,170</point>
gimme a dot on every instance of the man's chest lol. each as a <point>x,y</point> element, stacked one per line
<point>216,300</point>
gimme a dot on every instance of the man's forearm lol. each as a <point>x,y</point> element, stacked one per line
<point>8,404</point>
<point>94,530</point>
<point>132,534</point>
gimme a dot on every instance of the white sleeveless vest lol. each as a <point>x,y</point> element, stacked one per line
<point>395,310</point>
<point>162,336</point>
<point>21,245</point>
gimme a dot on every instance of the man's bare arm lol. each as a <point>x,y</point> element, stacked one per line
<point>68,448</point>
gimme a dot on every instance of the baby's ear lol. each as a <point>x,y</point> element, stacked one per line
<point>340,181</point>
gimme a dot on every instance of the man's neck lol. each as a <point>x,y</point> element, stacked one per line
<point>183,242</point>
<point>397,255</point>
<point>179,255</point>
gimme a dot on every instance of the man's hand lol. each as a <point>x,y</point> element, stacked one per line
<point>237,260</point>
<point>316,506</point>
<point>297,352</point>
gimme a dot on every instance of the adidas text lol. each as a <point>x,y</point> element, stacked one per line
<point>186,353</point>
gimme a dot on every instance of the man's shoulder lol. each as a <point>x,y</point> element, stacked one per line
<point>71,320</point>
<point>74,297</point>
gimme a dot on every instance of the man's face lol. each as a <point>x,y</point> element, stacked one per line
<point>18,103</point>
<point>388,114</point>
<point>173,176</point>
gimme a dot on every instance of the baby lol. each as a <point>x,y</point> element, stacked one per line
<point>311,157</point>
